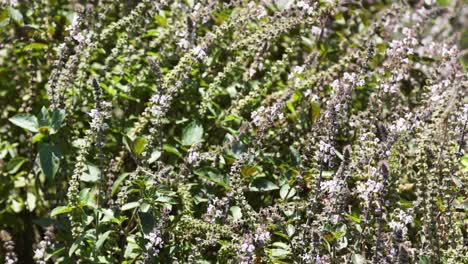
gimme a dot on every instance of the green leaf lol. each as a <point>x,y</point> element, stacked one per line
<point>38,137</point>
<point>35,46</point>
<point>138,145</point>
<point>44,118</point>
<point>287,192</point>
<point>192,134</point>
<point>31,200</point>
<point>16,15</point>
<point>49,159</point>
<point>358,259</point>
<point>172,150</point>
<point>60,210</point>
<point>262,185</point>
<point>102,239</point>
<point>116,185</point>
<point>91,174</point>
<point>17,206</point>
<point>56,120</point>
<point>76,244</point>
<point>4,17</point>
<point>84,196</point>
<point>211,176</point>
<point>15,164</point>
<point>280,253</point>
<point>235,212</point>
<point>290,229</point>
<point>129,206</point>
<point>154,156</point>
<point>144,207</point>
<point>26,121</point>
<point>55,253</point>
<point>353,218</point>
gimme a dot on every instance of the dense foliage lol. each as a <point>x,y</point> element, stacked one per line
<point>270,131</point>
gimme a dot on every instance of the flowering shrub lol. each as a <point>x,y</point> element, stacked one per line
<point>270,131</point>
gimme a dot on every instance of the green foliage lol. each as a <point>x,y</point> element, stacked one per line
<point>202,131</point>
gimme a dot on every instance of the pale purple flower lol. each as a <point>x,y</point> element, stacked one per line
<point>154,243</point>
<point>257,115</point>
<point>366,189</point>
<point>262,235</point>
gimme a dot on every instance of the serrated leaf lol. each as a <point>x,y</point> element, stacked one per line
<point>192,134</point>
<point>26,121</point>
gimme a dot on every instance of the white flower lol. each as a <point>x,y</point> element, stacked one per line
<point>305,6</point>
<point>199,53</point>
<point>193,157</point>
<point>262,234</point>
<point>252,71</point>
<point>331,186</point>
<point>399,126</point>
<point>280,116</point>
<point>261,13</point>
<point>97,120</point>
<point>154,243</point>
<point>247,247</point>
<point>159,99</point>
<point>183,44</point>
<point>349,77</point>
<point>256,116</point>
<point>361,82</point>
<point>407,32</point>
<point>316,31</point>
<point>405,217</point>
<point>335,84</point>
<point>396,225</point>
